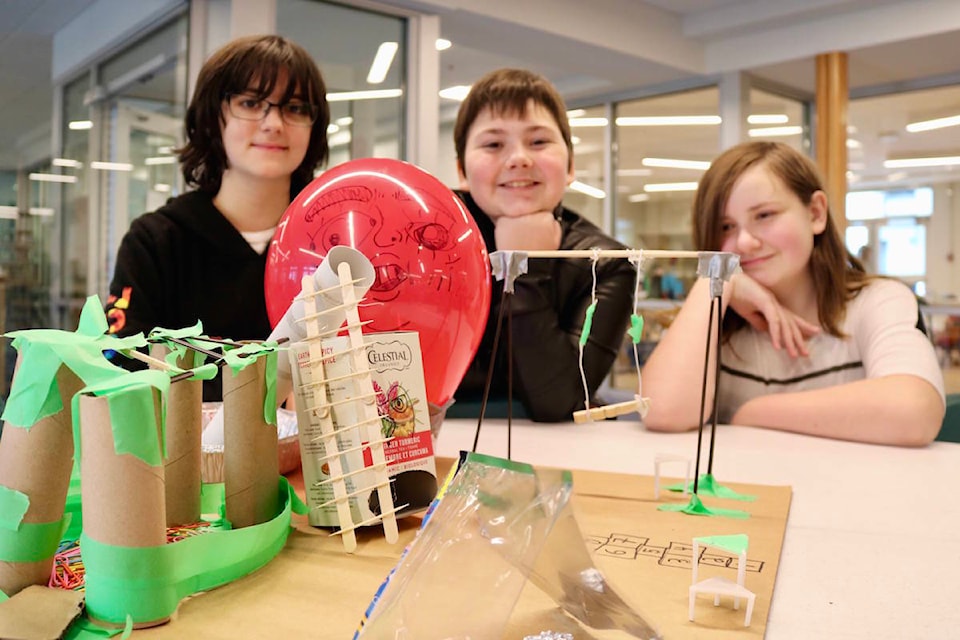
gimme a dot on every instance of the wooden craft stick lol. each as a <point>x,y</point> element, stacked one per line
<point>610,410</point>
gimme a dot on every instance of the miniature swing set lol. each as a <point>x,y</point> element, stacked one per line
<point>715,265</point>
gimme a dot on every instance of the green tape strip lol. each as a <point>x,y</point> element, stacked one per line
<point>636,328</point>
<point>587,323</point>
<point>13,506</point>
<point>34,394</point>
<point>130,400</point>
<point>148,583</point>
<point>32,541</point>
<point>83,629</point>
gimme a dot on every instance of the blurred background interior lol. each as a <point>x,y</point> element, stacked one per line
<point>94,93</point>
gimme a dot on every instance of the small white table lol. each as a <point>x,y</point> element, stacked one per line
<point>871,544</point>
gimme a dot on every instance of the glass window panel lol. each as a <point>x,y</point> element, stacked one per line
<point>647,217</point>
<point>590,167</point>
<point>344,41</point>
<point>903,248</point>
<point>776,117</point>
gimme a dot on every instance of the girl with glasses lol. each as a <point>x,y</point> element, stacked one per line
<point>256,129</point>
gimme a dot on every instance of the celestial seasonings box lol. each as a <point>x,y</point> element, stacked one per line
<point>396,367</point>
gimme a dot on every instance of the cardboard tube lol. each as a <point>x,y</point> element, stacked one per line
<point>37,462</point>
<point>181,469</point>
<point>123,497</point>
<point>250,463</point>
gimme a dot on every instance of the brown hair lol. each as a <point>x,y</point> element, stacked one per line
<point>235,68</point>
<point>508,92</point>
<point>837,275</point>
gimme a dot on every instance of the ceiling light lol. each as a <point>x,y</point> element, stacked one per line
<point>52,177</point>
<point>46,212</point>
<point>669,163</point>
<point>588,122</point>
<point>575,140</point>
<point>339,139</point>
<point>639,197</point>
<point>345,121</point>
<point>66,162</point>
<point>373,94</point>
<point>80,125</point>
<point>576,113</point>
<point>443,44</point>
<point>666,121</point>
<point>907,163</point>
<point>162,187</point>
<point>773,132</point>
<point>111,166</point>
<point>670,186</point>
<point>939,123</point>
<point>381,62</point>
<point>8,213</point>
<point>457,92</point>
<point>854,144</point>
<point>768,118</point>
<point>634,173</point>
<point>332,128</point>
<point>586,189</point>
<point>160,160</point>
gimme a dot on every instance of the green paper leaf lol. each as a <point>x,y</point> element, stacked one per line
<point>13,506</point>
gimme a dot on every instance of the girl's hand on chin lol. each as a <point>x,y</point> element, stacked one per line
<point>538,231</point>
<point>758,306</point>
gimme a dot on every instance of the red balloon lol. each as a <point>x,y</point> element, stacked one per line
<point>432,269</point>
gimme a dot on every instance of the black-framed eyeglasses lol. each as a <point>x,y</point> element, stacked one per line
<point>247,106</point>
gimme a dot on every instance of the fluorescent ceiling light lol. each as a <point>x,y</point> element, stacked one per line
<point>80,125</point>
<point>768,118</point>
<point>52,177</point>
<point>381,62</point>
<point>634,173</point>
<point>939,123</point>
<point>8,213</point>
<point>639,197</point>
<point>586,189</point>
<point>443,44</point>
<point>670,163</point>
<point>332,128</point>
<point>66,162</point>
<point>162,187</point>
<point>160,160</point>
<point>773,132</point>
<point>670,186</point>
<point>457,92</point>
<point>373,94</point>
<point>111,166</point>
<point>854,144</point>
<point>339,139</point>
<point>345,121</point>
<point>575,140</point>
<point>576,113</point>
<point>907,163</point>
<point>46,212</point>
<point>666,121</point>
<point>588,122</point>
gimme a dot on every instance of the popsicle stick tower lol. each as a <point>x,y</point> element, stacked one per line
<point>718,266</point>
<point>333,423</point>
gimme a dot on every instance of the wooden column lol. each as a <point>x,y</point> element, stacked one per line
<point>831,130</point>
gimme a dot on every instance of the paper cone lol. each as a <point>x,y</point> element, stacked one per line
<point>37,462</point>
<point>250,463</point>
<point>181,469</point>
<point>123,496</point>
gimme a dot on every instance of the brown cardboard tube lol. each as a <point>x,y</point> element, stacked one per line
<point>37,462</point>
<point>123,497</point>
<point>250,465</point>
<point>181,469</point>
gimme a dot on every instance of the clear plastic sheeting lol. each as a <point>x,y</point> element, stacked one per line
<point>498,524</point>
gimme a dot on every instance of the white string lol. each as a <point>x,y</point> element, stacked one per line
<point>637,260</point>
<point>593,300</point>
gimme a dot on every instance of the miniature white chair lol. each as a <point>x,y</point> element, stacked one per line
<point>720,586</point>
<point>662,458</point>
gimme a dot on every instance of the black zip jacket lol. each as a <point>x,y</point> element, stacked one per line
<point>548,308</point>
<point>186,262</point>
